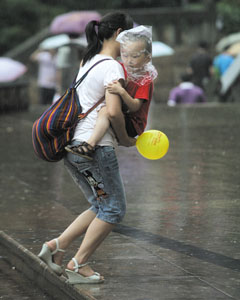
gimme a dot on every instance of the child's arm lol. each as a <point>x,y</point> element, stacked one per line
<point>100,128</point>
<point>112,112</point>
<point>133,104</point>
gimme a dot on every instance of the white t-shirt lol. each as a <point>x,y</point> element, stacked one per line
<point>91,90</point>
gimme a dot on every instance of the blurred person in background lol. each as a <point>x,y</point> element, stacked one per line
<point>47,76</point>
<point>201,65</point>
<point>222,62</point>
<point>68,62</point>
<point>186,92</point>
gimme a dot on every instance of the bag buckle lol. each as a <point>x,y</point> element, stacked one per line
<point>81,116</point>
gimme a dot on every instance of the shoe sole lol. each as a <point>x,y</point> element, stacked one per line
<point>79,154</point>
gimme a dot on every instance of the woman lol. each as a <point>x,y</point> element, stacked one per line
<point>99,178</point>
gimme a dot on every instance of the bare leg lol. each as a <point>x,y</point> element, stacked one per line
<point>96,233</point>
<point>100,128</point>
<point>75,229</point>
<point>87,148</point>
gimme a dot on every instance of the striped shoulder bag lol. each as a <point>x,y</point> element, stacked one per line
<point>55,128</point>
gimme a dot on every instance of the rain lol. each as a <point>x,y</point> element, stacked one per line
<point>180,236</point>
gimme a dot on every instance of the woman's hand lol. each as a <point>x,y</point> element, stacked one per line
<point>128,142</point>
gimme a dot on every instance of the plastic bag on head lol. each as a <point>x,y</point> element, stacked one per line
<point>147,72</point>
<point>141,30</point>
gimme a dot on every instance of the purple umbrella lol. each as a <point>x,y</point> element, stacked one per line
<point>10,69</point>
<point>73,22</point>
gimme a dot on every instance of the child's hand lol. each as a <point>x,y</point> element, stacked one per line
<point>115,87</point>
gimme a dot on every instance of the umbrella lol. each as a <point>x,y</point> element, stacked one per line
<point>161,49</point>
<point>61,40</point>
<point>234,49</point>
<point>10,69</point>
<point>73,22</point>
<point>230,76</point>
<point>228,41</point>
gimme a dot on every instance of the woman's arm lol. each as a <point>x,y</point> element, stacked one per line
<point>114,108</point>
<point>133,104</point>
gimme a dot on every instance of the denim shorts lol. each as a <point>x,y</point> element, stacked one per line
<point>100,174</point>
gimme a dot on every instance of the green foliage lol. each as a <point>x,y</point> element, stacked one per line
<point>21,19</point>
<point>229,12</point>
<point>109,4</point>
<point>118,4</point>
<point>15,18</point>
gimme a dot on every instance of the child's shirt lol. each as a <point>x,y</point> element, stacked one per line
<point>139,118</point>
<point>144,92</point>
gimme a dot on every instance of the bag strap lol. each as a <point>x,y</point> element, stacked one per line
<point>83,115</point>
<point>85,75</point>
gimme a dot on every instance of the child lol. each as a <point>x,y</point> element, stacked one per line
<point>136,49</point>
<point>186,92</point>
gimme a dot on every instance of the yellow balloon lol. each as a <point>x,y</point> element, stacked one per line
<point>152,144</point>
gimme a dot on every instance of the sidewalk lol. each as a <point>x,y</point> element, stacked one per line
<point>180,237</point>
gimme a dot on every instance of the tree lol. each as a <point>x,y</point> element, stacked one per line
<point>229,13</point>
<point>22,19</point>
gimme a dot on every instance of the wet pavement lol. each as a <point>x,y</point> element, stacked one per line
<point>180,238</point>
<point>15,286</point>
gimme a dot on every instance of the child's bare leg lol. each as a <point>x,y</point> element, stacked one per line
<point>100,128</point>
<point>86,148</point>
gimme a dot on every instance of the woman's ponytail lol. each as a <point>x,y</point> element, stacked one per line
<point>94,43</point>
<point>97,32</point>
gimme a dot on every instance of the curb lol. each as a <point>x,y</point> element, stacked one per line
<point>38,272</point>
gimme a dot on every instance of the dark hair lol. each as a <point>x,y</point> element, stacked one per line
<point>73,35</point>
<point>203,45</point>
<point>186,76</point>
<point>106,28</point>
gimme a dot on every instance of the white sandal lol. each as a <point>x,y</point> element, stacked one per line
<point>47,256</point>
<point>74,277</point>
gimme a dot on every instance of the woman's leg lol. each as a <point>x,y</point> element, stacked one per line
<point>97,231</point>
<point>77,228</point>
<point>98,221</point>
<point>111,207</point>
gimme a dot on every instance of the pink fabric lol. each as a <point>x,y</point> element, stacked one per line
<point>73,22</point>
<point>10,69</point>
